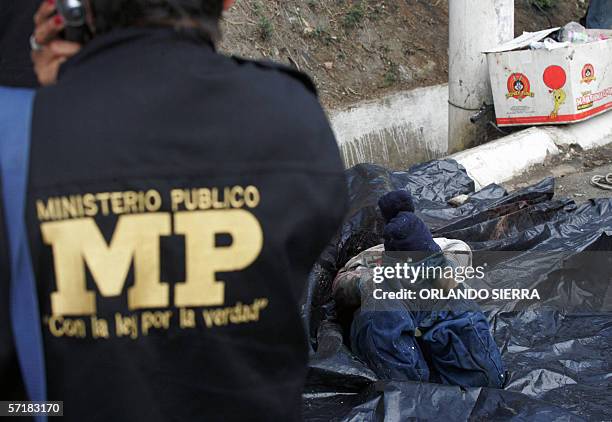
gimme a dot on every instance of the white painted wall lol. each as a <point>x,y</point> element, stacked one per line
<point>395,131</point>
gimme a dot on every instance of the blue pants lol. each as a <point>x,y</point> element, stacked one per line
<point>452,348</point>
<point>600,14</point>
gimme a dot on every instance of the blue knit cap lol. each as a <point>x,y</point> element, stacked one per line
<point>404,231</point>
<point>395,202</point>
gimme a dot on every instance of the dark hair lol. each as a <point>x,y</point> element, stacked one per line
<point>204,15</point>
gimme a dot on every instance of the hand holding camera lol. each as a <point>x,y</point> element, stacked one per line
<point>60,26</point>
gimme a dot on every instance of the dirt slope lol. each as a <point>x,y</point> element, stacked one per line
<point>362,49</point>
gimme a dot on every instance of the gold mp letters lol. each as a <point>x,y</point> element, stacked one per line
<point>79,242</point>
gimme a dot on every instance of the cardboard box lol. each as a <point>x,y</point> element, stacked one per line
<point>542,87</point>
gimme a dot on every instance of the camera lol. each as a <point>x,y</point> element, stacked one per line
<point>74,13</point>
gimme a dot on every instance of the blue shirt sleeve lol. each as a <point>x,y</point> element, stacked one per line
<point>15,121</point>
<point>11,387</point>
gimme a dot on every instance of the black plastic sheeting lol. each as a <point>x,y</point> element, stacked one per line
<point>559,357</point>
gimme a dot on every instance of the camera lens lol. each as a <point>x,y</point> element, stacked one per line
<point>72,11</point>
<point>76,14</point>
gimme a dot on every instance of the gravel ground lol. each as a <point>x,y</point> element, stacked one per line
<point>572,171</point>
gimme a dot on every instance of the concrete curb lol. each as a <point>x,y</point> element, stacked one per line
<point>506,158</point>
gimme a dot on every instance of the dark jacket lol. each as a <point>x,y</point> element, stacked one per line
<point>16,26</point>
<point>177,201</point>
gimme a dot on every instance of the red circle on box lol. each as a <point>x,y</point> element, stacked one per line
<point>555,77</point>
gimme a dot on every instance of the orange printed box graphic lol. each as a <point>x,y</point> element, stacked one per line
<point>541,87</point>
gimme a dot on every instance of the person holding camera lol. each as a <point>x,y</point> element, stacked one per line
<point>175,201</point>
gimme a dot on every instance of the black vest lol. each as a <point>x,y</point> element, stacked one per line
<point>177,201</point>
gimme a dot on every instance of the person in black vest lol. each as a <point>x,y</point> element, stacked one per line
<point>176,201</point>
